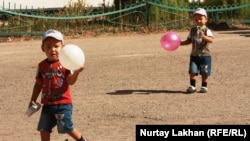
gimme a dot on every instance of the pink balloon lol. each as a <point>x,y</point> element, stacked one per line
<point>170,41</point>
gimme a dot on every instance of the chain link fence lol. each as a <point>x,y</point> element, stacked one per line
<point>139,15</point>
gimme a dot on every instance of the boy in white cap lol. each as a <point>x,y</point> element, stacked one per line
<point>200,58</point>
<point>53,81</point>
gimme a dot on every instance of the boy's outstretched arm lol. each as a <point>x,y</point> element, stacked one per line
<point>186,42</point>
<point>71,80</point>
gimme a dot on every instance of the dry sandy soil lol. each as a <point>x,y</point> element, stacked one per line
<point>130,80</point>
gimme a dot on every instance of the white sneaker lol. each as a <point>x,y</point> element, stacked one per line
<point>191,89</point>
<point>203,90</point>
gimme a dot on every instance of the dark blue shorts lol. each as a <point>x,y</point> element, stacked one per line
<point>60,115</point>
<point>200,65</point>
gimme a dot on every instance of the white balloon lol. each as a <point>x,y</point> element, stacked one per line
<point>72,57</point>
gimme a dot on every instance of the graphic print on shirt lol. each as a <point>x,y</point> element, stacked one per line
<point>199,45</point>
<point>54,78</point>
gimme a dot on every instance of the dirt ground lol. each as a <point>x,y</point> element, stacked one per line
<point>130,80</point>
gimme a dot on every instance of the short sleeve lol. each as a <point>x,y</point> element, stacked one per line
<point>209,33</point>
<point>68,73</point>
<point>38,73</point>
<point>189,35</point>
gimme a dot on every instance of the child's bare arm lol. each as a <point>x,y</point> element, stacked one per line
<point>206,38</point>
<point>186,42</point>
<point>74,77</point>
<point>36,91</point>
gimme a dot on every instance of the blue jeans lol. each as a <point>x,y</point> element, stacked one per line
<point>60,115</point>
<point>200,65</point>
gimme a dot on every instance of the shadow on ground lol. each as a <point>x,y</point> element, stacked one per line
<point>126,92</point>
<point>230,29</point>
<point>245,33</point>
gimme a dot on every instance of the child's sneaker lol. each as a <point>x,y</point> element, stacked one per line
<point>191,89</point>
<point>203,90</point>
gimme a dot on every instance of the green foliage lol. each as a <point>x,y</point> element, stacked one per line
<point>158,15</point>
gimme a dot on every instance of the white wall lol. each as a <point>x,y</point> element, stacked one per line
<point>47,3</point>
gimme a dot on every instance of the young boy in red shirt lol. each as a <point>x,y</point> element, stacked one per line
<point>53,82</point>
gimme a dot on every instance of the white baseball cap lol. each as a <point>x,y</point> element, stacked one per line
<point>54,34</point>
<point>200,11</point>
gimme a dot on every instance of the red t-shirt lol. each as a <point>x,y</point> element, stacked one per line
<point>55,89</point>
